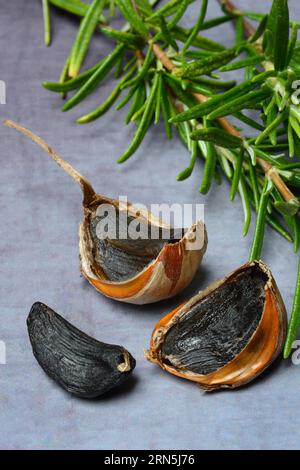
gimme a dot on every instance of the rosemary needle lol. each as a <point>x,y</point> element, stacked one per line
<point>257,243</point>
<point>217,136</point>
<point>76,7</point>
<point>237,174</point>
<point>74,83</point>
<point>144,124</point>
<point>84,36</point>
<point>197,27</point>
<point>47,22</point>
<point>87,88</point>
<point>106,105</point>
<point>246,204</point>
<point>209,168</point>
<point>186,173</point>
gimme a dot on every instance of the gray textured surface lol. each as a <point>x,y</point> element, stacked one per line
<point>40,213</point>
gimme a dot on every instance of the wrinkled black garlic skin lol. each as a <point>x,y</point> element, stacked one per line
<point>83,366</point>
<point>217,328</point>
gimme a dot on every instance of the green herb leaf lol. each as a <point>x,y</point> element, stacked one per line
<point>106,105</point>
<point>77,7</point>
<point>296,230</point>
<point>84,35</point>
<point>139,97</point>
<point>200,42</point>
<point>130,39</point>
<point>133,18</point>
<point>186,173</point>
<point>246,204</point>
<point>292,43</point>
<point>90,85</point>
<point>291,140</point>
<point>208,106</point>
<point>240,64</point>
<point>203,67</point>
<point>197,27</point>
<point>288,208</point>
<point>249,121</point>
<point>237,174</point>
<point>179,12</point>
<point>213,22</point>
<point>166,34</point>
<point>262,77</point>
<point>166,109</point>
<point>278,227</point>
<point>143,71</point>
<point>139,112</point>
<point>144,124</point>
<point>64,75</point>
<point>74,83</point>
<point>273,125</point>
<point>243,102</point>
<point>278,25</point>
<point>144,7</point>
<point>166,10</point>
<point>158,99</point>
<point>209,168</point>
<point>47,22</point>
<point>260,30</point>
<point>258,238</point>
<point>218,137</point>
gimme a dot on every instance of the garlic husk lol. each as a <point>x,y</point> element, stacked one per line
<point>168,274</point>
<point>261,349</point>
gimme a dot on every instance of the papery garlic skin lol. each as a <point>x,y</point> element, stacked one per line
<point>262,349</point>
<point>168,274</point>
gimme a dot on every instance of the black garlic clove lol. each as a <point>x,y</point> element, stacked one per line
<point>83,366</point>
<point>226,335</point>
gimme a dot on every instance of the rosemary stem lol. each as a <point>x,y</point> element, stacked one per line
<point>295,319</point>
<point>272,173</point>
<point>162,57</point>
<point>231,8</point>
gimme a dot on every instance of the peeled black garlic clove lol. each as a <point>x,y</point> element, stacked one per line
<point>82,365</point>
<point>226,335</point>
<point>135,271</point>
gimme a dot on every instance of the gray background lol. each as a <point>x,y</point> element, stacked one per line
<point>40,212</point>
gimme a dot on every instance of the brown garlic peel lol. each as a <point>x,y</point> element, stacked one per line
<point>131,271</point>
<point>226,335</point>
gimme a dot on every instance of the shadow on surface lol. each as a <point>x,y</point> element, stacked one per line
<point>118,392</point>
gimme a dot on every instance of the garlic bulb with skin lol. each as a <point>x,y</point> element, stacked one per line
<point>135,271</point>
<point>226,335</point>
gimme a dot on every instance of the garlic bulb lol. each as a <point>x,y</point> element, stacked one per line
<point>136,271</point>
<point>226,335</point>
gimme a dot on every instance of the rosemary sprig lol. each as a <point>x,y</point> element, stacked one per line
<point>175,74</point>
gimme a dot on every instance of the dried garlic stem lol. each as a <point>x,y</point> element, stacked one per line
<point>88,191</point>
